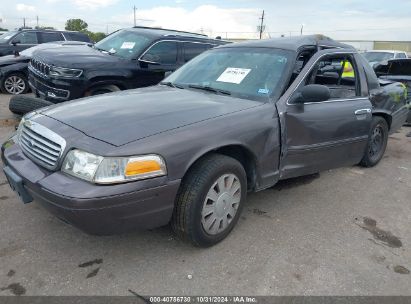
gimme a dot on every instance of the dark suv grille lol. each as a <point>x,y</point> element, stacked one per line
<point>40,67</point>
<point>40,148</point>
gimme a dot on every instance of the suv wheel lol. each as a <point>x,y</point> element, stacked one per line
<point>15,84</point>
<point>104,89</point>
<point>377,142</point>
<point>210,200</point>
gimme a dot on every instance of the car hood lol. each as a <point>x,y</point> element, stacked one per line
<point>123,117</point>
<point>11,59</point>
<point>78,56</point>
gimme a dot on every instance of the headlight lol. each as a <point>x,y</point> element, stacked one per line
<point>112,170</point>
<point>64,72</point>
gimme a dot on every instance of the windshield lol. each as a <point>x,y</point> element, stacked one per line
<point>378,56</point>
<point>250,73</point>
<point>6,36</point>
<point>124,43</point>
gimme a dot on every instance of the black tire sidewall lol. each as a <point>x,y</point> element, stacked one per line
<point>377,121</point>
<point>231,166</point>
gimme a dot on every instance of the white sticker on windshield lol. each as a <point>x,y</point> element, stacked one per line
<point>7,37</point>
<point>233,75</point>
<point>128,45</point>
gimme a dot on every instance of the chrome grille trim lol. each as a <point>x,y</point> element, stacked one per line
<point>41,145</point>
<point>40,67</point>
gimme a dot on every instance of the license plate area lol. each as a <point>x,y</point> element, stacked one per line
<point>17,185</point>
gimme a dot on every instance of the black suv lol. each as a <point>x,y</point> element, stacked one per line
<point>129,58</point>
<point>19,40</point>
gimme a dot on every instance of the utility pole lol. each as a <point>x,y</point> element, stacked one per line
<point>302,28</point>
<point>134,10</point>
<point>262,25</point>
<point>37,20</point>
<point>24,22</point>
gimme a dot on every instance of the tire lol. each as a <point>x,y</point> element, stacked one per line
<point>104,89</point>
<point>377,142</point>
<point>15,84</point>
<point>22,104</point>
<point>188,220</point>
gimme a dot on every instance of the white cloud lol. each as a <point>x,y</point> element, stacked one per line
<point>93,4</point>
<point>209,19</point>
<point>21,7</point>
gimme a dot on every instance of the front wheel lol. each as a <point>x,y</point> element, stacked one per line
<point>210,200</point>
<point>377,142</point>
<point>15,84</point>
<point>103,90</point>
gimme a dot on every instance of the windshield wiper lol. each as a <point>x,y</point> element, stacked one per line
<point>172,85</point>
<point>110,52</point>
<point>208,89</point>
<point>99,49</point>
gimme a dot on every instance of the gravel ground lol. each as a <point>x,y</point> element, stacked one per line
<point>340,232</point>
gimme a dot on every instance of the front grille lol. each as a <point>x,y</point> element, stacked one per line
<point>41,144</point>
<point>40,67</point>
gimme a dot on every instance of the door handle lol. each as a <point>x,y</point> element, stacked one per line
<point>362,111</point>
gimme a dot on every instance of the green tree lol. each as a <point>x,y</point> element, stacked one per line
<point>96,37</point>
<point>76,25</point>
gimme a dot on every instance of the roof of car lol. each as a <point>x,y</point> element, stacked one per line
<point>384,51</point>
<point>294,43</point>
<point>160,32</point>
<point>45,30</point>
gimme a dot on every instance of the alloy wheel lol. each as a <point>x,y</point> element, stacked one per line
<point>15,85</point>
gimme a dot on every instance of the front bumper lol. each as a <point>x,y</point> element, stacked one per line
<point>55,90</point>
<point>99,210</point>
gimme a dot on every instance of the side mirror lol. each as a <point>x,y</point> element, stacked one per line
<point>15,42</point>
<point>312,93</point>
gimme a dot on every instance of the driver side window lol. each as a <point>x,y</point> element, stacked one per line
<point>26,38</point>
<point>339,74</point>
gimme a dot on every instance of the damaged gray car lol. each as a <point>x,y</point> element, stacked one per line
<point>396,70</point>
<point>235,119</point>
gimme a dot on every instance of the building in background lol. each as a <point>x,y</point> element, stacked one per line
<point>363,45</point>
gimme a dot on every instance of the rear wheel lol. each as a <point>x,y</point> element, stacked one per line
<point>210,200</point>
<point>15,84</point>
<point>377,142</point>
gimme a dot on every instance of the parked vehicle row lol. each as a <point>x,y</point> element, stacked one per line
<point>129,58</point>
<point>19,40</point>
<point>235,119</point>
<point>14,68</point>
<point>377,56</point>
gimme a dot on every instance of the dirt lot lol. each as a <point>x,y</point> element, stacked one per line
<point>342,232</point>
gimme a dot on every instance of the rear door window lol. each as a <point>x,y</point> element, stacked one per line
<point>191,49</point>
<point>50,37</point>
<point>163,52</point>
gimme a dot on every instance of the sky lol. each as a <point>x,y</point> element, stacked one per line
<point>339,19</point>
